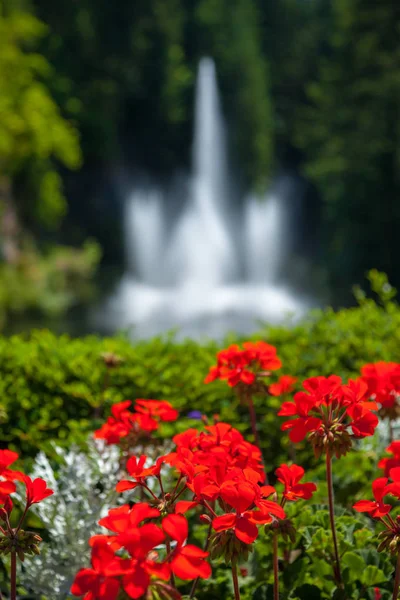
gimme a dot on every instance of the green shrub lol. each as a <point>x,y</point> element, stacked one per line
<point>47,283</point>
<point>59,388</point>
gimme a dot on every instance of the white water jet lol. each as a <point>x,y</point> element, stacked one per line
<point>187,276</point>
<point>201,252</point>
<point>267,233</point>
<point>144,235</point>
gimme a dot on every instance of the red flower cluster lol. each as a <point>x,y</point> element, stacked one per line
<point>389,463</point>
<point>244,365</point>
<point>220,466</point>
<point>241,494</point>
<point>129,558</point>
<point>146,418</point>
<point>330,413</point>
<point>383,382</point>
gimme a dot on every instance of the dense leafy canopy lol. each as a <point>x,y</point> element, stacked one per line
<point>33,133</point>
<point>305,85</point>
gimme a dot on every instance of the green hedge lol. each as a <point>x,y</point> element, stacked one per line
<point>55,388</point>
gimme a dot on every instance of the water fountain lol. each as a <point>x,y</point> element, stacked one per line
<point>188,276</point>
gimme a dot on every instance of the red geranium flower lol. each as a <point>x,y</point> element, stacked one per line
<point>188,561</point>
<point>7,458</point>
<point>242,496</point>
<point>6,488</point>
<point>150,412</point>
<point>302,408</point>
<point>125,517</point>
<point>36,490</point>
<point>146,418</point>
<point>101,582</point>
<point>118,425</point>
<point>375,508</point>
<point>243,365</point>
<point>391,462</point>
<point>290,477</point>
<point>383,381</point>
<point>137,470</point>
<point>284,385</point>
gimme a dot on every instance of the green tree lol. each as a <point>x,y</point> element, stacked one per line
<point>136,69</point>
<point>34,136</point>
<point>294,34</point>
<point>349,132</point>
<point>125,62</point>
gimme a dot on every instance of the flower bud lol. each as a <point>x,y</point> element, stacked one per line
<point>35,549</point>
<point>205,519</point>
<point>8,505</point>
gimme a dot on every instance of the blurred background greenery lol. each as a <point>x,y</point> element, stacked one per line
<point>89,87</point>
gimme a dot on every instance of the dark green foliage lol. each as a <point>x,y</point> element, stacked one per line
<point>60,388</point>
<point>53,387</point>
<point>35,137</point>
<point>350,136</point>
<point>306,563</point>
<point>311,83</point>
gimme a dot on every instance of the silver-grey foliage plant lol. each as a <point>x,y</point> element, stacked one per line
<point>84,489</point>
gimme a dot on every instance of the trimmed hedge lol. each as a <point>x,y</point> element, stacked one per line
<point>58,388</point>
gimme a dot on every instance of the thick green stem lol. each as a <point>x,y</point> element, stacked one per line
<point>235,581</point>
<point>276,566</point>
<point>397,579</point>
<point>337,571</point>
<point>13,576</point>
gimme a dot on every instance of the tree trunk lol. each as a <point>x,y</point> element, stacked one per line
<point>9,225</point>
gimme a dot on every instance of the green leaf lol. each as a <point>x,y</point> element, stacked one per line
<point>355,565</point>
<point>372,576</point>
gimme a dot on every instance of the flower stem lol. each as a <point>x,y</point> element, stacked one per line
<point>276,566</point>
<point>337,571</point>
<point>22,519</point>
<point>196,581</point>
<point>397,579</point>
<point>168,549</point>
<point>235,581</point>
<point>253,419</point>
<point>391,433</point>
<point>13,576</point>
